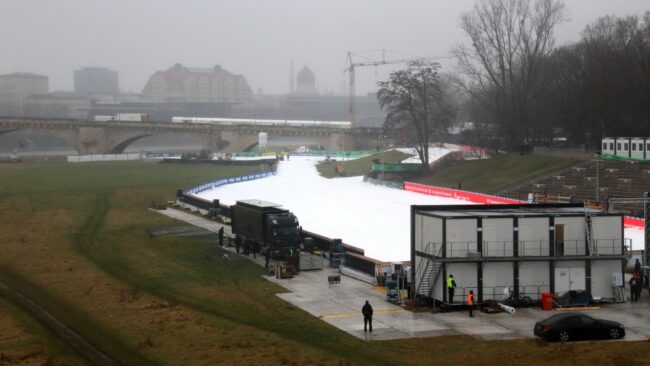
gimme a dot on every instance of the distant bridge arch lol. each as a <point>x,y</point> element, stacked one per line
<point>91,137</point>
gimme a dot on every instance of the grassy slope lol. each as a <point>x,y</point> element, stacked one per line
<point>172,301</point>
<point>25,341</point>
<point>496,174</point>
<point>359,166</point>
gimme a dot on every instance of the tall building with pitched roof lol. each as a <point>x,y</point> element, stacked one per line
<point>187,84</point>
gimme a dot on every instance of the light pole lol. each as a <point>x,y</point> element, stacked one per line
<point>597,183</point>
<point>381,153</point>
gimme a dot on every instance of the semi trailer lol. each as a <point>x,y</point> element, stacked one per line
<point>274,228</point>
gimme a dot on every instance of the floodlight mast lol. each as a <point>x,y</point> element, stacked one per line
<point>353,65</point>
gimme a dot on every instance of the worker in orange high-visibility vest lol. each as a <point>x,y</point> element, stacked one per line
<point>471,301</point>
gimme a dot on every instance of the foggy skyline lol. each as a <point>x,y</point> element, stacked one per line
<point>256,39</point>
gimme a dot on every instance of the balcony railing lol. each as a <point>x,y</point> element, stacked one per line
<point>529,248</point>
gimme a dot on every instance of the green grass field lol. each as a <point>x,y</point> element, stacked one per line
<point>360,166</point>
<point>73,237</point>
<point>496,174</point>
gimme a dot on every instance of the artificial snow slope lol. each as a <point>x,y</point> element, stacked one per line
<point>435,153</point>
<point>371,217</point>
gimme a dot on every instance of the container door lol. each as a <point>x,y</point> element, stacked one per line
<point>562,280</point>
<point>577,278</point>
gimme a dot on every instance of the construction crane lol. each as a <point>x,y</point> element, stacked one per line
<point>353,65</point>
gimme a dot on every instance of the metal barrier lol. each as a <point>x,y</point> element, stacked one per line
<point>496,293</point>
<point>221,182</point>
<point>464,291</point>
<point>573,298</point>
<point>531,248</point>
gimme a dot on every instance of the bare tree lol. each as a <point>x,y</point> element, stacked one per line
<point>509,41</point>
<point>417,106</point>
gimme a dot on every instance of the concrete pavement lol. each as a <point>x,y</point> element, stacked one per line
<point>340,305</point>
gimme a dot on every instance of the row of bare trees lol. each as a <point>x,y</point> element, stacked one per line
<point>525,91</point>
<point>521,89</point>
<point>600,86</point>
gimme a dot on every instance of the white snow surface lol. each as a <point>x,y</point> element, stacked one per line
<point>637,235</point>
<point>371,217</point>
<point>435,153</point>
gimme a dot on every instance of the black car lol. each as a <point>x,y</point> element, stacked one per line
<point>577,326</point>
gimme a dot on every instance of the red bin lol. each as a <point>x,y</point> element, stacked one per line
<point>547,301</point>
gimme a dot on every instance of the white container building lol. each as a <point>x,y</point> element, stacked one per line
<point>635,148</point>
<point>262,140</point>
<point>530,249</point>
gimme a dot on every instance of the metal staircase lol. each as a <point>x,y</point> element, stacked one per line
<point>588,229</point>
<point>428,273</point>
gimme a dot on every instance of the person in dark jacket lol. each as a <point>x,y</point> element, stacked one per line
<point>635,287</point>
<point>237,243</point>
<point>366,310</point>
<point>637,267</point>
<point>267,256</point>
<point>220,233</point>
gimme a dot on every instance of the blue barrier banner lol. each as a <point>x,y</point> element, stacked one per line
<point>221,182</point>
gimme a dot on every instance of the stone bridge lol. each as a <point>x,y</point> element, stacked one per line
<point>113,137</point>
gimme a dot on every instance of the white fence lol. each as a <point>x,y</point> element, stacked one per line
<point>102,157</point>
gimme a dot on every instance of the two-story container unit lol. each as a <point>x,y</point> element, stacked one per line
<point>626,148</point>
<point>530,249</point>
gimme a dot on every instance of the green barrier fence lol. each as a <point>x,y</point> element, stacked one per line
<point>339,154</point>
<point>396,168</point>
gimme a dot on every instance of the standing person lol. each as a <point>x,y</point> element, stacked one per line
<point>267,256</point>
<point>471,301</point>
<point>237,243</point>
<point>637,267</point>
<point>451,285</point>
<point>366,310</point>
<point>256,248</point>
<point>635,287</point>
<point>220,233</point>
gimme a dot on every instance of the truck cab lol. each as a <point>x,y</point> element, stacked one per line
<point>282,234</point>
<point>275,228</point>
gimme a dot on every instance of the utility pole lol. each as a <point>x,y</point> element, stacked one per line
<point>291,90</point>
<point>597,183</point>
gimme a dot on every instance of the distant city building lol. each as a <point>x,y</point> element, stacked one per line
<point>96,80</point>
<point>14,88</point>
<point>311,107</point>
<point>185,84</point>
<point>306,82</point>
<point>63,105</point>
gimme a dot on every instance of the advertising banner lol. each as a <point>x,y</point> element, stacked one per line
<point>472,197</point>
<point>486,199</point>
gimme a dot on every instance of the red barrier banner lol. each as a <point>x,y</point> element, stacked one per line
<point>633,222</point>
<point>486,199</point>
<point>472,197</point>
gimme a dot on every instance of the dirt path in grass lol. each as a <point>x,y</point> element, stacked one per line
<point>88,351</point>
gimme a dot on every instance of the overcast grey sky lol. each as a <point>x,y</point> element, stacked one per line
<point>254,38</point>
